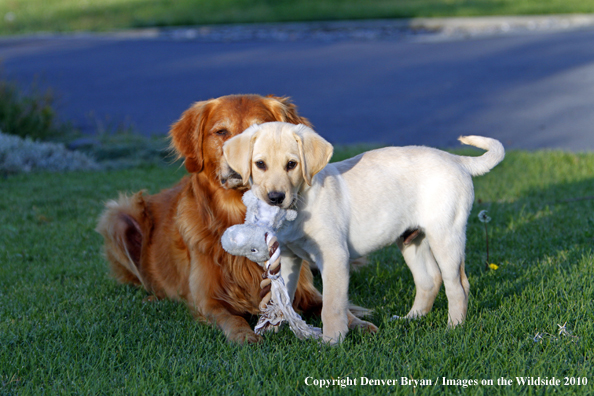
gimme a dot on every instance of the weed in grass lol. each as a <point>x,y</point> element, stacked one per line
<point>484,218</point>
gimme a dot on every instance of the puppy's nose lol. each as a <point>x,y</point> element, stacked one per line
<point>276,197</point>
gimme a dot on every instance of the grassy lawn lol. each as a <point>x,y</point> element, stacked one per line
<point>67,327</point>
<point>19,16</point>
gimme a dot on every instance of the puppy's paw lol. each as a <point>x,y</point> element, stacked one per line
<point>413,314</point>
<point>244,336</point>
<point>334,337</point>
<point>332,340</point>
<point>455,323</point>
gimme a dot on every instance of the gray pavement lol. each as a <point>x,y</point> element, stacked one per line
<point>528,82</point>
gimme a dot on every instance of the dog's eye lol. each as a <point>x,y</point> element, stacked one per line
<point>254,250</point>
<point>291,165</point>
<point>261,165</point>
<point>222,132</point>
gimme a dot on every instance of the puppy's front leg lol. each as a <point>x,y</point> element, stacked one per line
<point>334,267</point>
<point>290,269</point>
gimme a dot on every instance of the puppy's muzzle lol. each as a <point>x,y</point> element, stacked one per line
<point>276,198</point>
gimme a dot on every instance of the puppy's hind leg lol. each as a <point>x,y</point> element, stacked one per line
<point>448,250</point>
<point>426,274</point>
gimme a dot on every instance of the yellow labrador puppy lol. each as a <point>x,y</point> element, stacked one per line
<point>416,197</point>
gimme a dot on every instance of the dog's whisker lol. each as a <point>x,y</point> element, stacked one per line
<point>297,201</point>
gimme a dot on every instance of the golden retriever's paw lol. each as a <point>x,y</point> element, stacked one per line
<point>356,323</point>
<point>150,299</point>
<point>363,325</point>
<point>244,336</point>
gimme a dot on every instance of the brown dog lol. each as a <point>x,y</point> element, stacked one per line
<point>170,242</point>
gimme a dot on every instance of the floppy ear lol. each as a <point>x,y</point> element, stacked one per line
<point>187,135</point>
<point>314,151</point>
<point>238,152</point>
<point>284,110</point>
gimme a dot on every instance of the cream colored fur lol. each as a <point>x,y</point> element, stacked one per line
<point>351,208</point>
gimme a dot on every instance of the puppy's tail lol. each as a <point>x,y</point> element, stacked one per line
<point>477,166</point>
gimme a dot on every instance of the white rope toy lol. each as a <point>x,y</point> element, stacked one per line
<point>256,240</point>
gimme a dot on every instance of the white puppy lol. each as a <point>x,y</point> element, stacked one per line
<point>416,197</point>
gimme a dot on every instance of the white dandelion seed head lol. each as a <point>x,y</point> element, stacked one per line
<point>483,218</point>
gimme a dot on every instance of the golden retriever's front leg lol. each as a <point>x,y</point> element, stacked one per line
<point>202,302</point>
<point>334,267</point>
<point>235,328</point>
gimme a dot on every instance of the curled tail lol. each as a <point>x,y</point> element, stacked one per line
<point>480,165</point>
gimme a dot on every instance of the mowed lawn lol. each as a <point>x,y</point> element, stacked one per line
<point>67,327</point>
<point>20,16</point>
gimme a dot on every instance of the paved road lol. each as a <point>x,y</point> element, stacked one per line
<point>531,91</point>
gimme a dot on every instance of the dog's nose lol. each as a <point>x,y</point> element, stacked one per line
<point>276,197</point>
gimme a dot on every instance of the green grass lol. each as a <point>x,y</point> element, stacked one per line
<point>70,15</point>
<point>66,327</point>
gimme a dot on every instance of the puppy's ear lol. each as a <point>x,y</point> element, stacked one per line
<point>187,135</point>
<point>285,111</point>
<point>314,151</point>
<point>238,152</point>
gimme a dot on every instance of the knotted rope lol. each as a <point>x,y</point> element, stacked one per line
<point>276,306</point>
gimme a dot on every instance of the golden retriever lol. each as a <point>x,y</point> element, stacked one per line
<point>417,197</point>
<point>169,243</point>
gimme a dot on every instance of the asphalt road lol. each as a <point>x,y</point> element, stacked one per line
<point>530,91</point>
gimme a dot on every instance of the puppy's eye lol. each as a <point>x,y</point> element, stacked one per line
<point>222,132</point>
<point>291,165</point>
<point>254,250</point>
<point>260,165</point>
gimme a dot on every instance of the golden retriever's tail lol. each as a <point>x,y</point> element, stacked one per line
<point>120,228</point>
<point>477,166</point>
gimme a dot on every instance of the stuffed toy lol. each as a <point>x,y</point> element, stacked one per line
<point>256,240</point>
